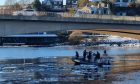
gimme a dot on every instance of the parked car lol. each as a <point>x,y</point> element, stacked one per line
<point>26,12</point>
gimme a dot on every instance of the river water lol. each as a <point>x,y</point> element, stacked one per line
<point>34,52</point>
<point>125,70</point>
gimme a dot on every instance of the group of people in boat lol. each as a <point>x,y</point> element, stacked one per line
<point>89,57</point>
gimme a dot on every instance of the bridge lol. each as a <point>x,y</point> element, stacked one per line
<point>115,25</point>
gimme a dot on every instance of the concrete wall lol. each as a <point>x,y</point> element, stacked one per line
<point>10,25</point>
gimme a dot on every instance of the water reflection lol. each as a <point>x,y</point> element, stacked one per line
<point>54,65</point>
<point>126,63</point>
<point>33,52</point>
<point>60,69</point>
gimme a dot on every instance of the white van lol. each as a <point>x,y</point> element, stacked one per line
<point>26,12</point>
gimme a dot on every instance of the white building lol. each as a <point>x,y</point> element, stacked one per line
<point>101,7</point>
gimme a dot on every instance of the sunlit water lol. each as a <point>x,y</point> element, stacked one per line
<point>126,70</point>
<point>33,52</point>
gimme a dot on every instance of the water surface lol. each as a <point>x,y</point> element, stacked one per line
<point>33,52</point>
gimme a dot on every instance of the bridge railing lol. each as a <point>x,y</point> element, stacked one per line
<point>107,17</point>
<point>72,15</point>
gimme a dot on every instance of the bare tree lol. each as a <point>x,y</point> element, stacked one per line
<point>10,2</point>
<point>25,2</point>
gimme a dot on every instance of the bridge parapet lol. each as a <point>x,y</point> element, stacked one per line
<point>101,19</point>
<point>74,15</point>
<point>48,21</point>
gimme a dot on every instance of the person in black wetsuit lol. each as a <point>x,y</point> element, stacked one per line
<point>97,56</point>
<point>89,56</point>
<point>93,56</point>
<point>84,55</point>
<point>76,60</point>
<point>77,55</point>
<point>104,51</point>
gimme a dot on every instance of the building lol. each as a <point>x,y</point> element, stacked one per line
<point>55,5</point>
<point>71,3</point>
<point>59,5</point>
<point>103,8</point>
<point>86,10</point>
<point>100,7</point>
<point>123,3</point>
<point>125,7</point>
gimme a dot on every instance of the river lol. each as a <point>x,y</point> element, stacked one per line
<point>125,70</point>
<point>34,52</point>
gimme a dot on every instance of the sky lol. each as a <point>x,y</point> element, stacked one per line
<point>3,1</point>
